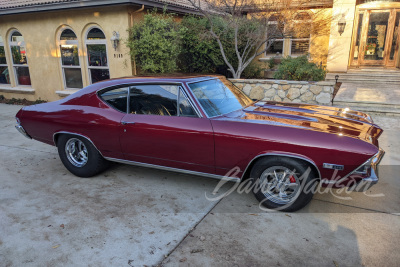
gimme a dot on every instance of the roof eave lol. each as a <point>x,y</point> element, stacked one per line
<point>95,3</point>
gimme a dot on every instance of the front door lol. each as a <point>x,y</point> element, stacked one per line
<point>162,128</point>
<point>376,41</point>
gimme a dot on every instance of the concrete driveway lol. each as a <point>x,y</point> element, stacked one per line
<point>130,216</point>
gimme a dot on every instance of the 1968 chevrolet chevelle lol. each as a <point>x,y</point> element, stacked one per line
<point>206,126</point>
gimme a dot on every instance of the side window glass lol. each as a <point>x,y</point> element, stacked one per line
<point>185,108</point>
<point>154,100</point>
<point>117,98</point>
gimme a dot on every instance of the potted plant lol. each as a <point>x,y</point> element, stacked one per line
<point>23,76</point>
<point>272,67</point>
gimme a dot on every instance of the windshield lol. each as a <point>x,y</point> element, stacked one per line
<point>218,98</point>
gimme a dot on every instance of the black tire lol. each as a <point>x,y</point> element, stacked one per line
<point>87,163</point>
<point>279,189</point>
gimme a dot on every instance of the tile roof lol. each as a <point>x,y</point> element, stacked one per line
<point>4,4</point>
<point>10,4</point>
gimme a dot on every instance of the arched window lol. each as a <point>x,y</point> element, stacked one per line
<point>97,55</point>
<point>70,64</point>
<point>4,74</point>
<point>300,41</point>
<point>276,29</point>
<point>19,59</point>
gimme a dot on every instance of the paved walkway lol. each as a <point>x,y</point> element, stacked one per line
<point>369,92</point>
<point>131,216</point>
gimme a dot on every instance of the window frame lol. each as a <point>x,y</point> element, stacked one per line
<point>129,85</point>
<point>15,66</point>
<point>68,42</point>
<point>308,21</point>
<point>95,42</point>
<point>2,43</point>
<point>271,22</point>
<point>291,39</point>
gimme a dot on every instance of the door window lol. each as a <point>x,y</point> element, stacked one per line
<point>160,100</point>
<point>376,38</point>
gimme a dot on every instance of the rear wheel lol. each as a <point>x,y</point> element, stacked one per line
<point>80,156</point>
<point>282,183</point>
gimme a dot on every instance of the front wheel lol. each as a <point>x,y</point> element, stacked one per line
<point>284,184</point>
<point>80,156</point>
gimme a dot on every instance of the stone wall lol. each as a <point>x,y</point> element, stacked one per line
<point>287,91</point>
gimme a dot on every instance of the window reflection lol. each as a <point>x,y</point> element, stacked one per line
<point>98,75</point>
<point>97,55</point>
<point>19,58</point>
<point>70,59</point>
<point>4,73</point>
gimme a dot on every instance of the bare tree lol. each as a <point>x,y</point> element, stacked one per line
<point>248,22</point>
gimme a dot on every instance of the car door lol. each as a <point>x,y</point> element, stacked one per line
<point>163,128</point>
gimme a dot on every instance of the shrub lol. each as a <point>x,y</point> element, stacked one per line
<point>199,53</point>
<point>155,43</point>
<point>271,63</point>
<point>254,71</point>
<point>299,69</point>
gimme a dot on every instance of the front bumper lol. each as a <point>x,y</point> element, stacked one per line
<point>373,178</point>
<point>22,131</point>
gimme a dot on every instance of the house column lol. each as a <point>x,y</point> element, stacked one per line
<point>339,46</point>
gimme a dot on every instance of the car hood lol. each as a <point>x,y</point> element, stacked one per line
<point>341,121</point>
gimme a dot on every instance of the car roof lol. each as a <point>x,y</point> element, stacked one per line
<point>170,78</point>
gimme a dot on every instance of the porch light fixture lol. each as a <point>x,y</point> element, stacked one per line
<point>115,40</point>
<point>341,25</point>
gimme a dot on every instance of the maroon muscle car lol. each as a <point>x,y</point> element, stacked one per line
<point>206,126</point>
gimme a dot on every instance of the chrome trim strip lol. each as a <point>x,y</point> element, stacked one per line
<point>87,138</point>
<point>365,183</point>
<point>147,165</point>
<point>333,166</point>
<point>191,101</point>
<point>22,131</point>
<point>375,159</point>
<point>260,103</point>
<point>283,155</point>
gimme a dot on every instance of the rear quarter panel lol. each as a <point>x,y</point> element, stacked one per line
<point>95,120</point>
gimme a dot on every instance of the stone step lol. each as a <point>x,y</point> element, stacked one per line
<point>392,78</point>
<point>370,107</point>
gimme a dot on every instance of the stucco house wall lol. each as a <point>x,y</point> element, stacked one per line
<point>40,32</point>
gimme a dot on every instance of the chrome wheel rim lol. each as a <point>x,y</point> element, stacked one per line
<point>280,184</point>
<point>76,152</point>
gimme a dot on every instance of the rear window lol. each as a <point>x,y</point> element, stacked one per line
<point>117,98</point>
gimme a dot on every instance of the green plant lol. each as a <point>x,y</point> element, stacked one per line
<point>299,69</point>
<point>199,53</point>
<point>16,54</point>
<point>155,42</point>
<point>271,63</point>
<point>38,101</point>
<point>2,97</point>
<point>254,71</point>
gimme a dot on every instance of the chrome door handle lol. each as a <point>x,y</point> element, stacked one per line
<point>127,122</point>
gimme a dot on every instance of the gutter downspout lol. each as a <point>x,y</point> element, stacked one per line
<point>131,25</point>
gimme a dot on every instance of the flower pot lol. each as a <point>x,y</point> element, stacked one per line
<point>269,74</point>
<point>24,80</point>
